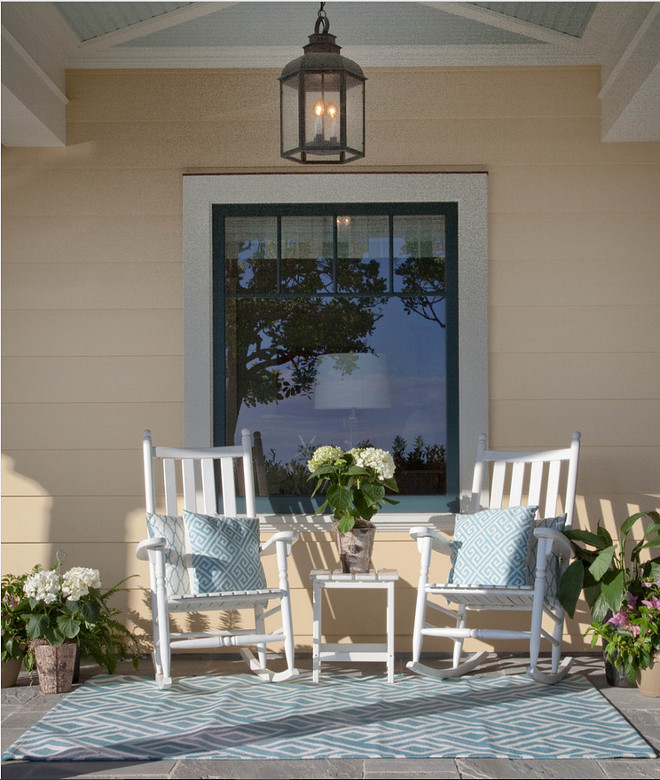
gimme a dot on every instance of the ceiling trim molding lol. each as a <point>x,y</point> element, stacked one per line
<point>508,23</point>
<point>155,24</point>
<point>369,56</point>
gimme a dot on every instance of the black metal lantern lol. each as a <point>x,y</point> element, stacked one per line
<point>322,102</point>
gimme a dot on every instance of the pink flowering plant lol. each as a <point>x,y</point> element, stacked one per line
<point>622,592</point>
<point>354,482</point>
<point>631,636</point>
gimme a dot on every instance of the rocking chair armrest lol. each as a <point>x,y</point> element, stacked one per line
<point>439,542</point>
<point>560,544</point>
<point>153,543</point>
<point>289,537</point>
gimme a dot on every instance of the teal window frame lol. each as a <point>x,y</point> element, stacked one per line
<point>448,502</point>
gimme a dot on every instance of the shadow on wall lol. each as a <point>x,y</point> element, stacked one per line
<point>38,522</point>
<point>26,518</point>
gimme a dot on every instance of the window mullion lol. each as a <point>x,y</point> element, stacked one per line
<point>391,253</point>
<point>279,256</point>
<point>335,244</point>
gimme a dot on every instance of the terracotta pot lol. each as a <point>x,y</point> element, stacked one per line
<point>10,671</point>
<point>355,549</point>
<point>55,664</point>
<point>648,680</point>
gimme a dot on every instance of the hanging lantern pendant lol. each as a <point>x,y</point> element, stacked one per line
<point>322,102</point>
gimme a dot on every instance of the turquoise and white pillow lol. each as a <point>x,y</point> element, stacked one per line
<point>491,547</point>
<point>176,573</point>
<point>225,553</point>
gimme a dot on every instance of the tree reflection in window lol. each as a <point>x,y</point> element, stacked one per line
<point>300,287</point>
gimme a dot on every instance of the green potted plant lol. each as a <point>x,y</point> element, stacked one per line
<point>68,615</point>
<point>631,636</point>
<point>615,584</point>
<point>354,482</point>
<point>14,633</point>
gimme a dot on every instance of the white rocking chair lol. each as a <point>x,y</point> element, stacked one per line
<point>532,477</point>
<point>189,550</point>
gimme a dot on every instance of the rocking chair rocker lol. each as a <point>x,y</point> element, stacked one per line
<point>503,558</point>
<point>201,561</point>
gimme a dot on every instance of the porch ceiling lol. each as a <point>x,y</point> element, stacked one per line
<point>42,40</point>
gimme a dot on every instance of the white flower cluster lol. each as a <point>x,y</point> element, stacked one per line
<point>377,459</point>
<point>46,586</point>
<point>43,586</point>
<point>323,455</point>
<point>77,581</point>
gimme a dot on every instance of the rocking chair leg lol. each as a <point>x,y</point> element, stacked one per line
<point>259,625</point>
<point>556,645</point>
<point>420,606</point>
<point>458,643</point>
<point>287,623</point>
<point>285,605</point>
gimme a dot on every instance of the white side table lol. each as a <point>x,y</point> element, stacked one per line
<point>323,651</point>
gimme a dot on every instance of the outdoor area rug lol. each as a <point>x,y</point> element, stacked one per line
<point>126,717</point>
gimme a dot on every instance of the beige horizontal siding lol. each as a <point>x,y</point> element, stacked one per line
<point>608,330</point>
<point>93,296</point>
<point>93,332</point>
<point>38,238</point>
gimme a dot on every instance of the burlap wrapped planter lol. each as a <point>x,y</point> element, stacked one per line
<point>55,664</point>
<point>355,548</point>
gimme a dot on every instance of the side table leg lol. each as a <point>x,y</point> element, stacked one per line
<point>390,632</point>
<point>316,631</point>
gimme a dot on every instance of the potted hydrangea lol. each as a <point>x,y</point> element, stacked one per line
<point>68,615</point>
<point>354,482</point>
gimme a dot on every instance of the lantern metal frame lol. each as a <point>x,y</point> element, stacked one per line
<point>322,113</point>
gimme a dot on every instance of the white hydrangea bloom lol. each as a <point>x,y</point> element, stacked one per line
<point>43,586</point>
<point>323,455</point>
<point>380,460</point>
<point>77,581</point>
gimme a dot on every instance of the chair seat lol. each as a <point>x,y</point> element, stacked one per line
<point>485,596</point>
<point>227,600</point>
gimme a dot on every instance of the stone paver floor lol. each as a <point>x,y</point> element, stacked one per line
<point>24,705</point>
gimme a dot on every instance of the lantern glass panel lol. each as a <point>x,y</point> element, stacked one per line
<point>290,133</point>
<point>354,114</point>
<point>322,112</point>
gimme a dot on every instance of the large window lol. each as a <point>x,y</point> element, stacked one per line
<point>337,324</point>
<point>204,302</point>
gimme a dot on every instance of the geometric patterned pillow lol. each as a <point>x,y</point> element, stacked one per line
<point>491,547</point>
<point>552,570</point>
<point>225,553</point>
<point>176,572</point>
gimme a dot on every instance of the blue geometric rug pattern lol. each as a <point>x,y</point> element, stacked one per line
<point>113,717</point>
